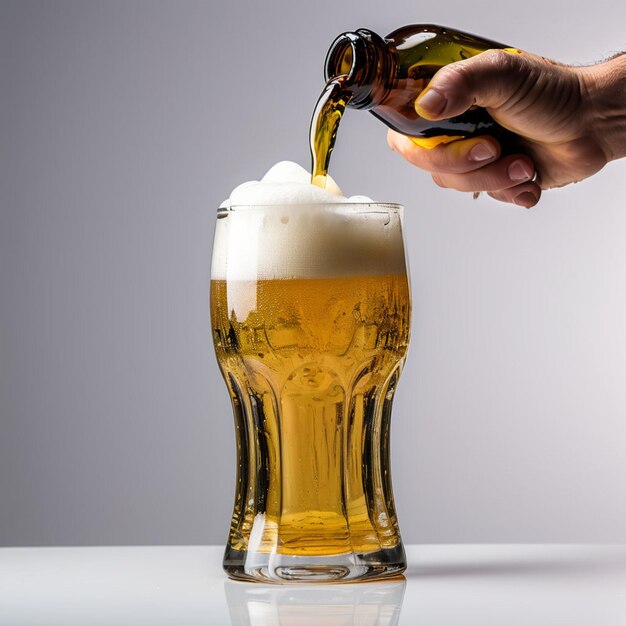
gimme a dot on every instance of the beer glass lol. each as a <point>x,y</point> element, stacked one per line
<point>310,314</point>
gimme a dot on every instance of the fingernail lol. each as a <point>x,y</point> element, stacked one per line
<point>525,199</point>
<point>520,170</point>
<point>432,102</point>
<point>482,152</point>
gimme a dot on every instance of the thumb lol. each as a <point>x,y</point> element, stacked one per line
<point>488,80</point>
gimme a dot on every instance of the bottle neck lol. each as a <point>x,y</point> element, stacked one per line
<point>366,62</point>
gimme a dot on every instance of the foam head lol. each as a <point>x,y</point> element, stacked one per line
<point>284,227</point>
<point>285,183</point>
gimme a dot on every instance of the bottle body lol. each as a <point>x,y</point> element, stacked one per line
<point>387,75</point>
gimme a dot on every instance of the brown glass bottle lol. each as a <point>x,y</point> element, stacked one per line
<point>385,76</point>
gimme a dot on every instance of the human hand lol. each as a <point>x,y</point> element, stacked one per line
<point>570,121</point>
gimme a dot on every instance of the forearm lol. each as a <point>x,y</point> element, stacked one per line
<point>605,88</point>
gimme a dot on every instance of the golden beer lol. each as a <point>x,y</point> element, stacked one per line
<point>311,363</point>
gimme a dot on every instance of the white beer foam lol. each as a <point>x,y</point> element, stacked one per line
<point>285,183</point>
<point>305,232</point>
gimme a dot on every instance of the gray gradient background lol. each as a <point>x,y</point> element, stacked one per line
<point>122,127</point>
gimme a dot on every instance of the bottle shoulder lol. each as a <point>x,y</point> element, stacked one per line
<point>424,35</point>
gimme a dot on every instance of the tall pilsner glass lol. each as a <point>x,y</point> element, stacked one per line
<point>310,311</point>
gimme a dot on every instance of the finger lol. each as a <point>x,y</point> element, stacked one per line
<point>487,80</point>
<point>463,155</point>
<point>504,173</point>
<point>525,195</point>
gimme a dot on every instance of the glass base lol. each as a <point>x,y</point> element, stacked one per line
<point>284,568</point>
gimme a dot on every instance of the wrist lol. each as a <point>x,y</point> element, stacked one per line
<point>604,89</point>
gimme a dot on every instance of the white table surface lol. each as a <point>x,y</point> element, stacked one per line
<point>445,585</point>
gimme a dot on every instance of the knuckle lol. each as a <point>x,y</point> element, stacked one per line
<point>447,158</point>
<point>459,74</point>
<point>438,181</point>
<point>443,158</point>
<point>500,58</point>
<point>418,156</point>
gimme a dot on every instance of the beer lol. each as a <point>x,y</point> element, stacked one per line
<point>385,76</point>
<point>324,125</point>
<point>311,337</point>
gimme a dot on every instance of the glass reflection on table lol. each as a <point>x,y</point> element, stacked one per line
<point>358,604</point>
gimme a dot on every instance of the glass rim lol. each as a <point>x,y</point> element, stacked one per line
<point>393,206</point>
